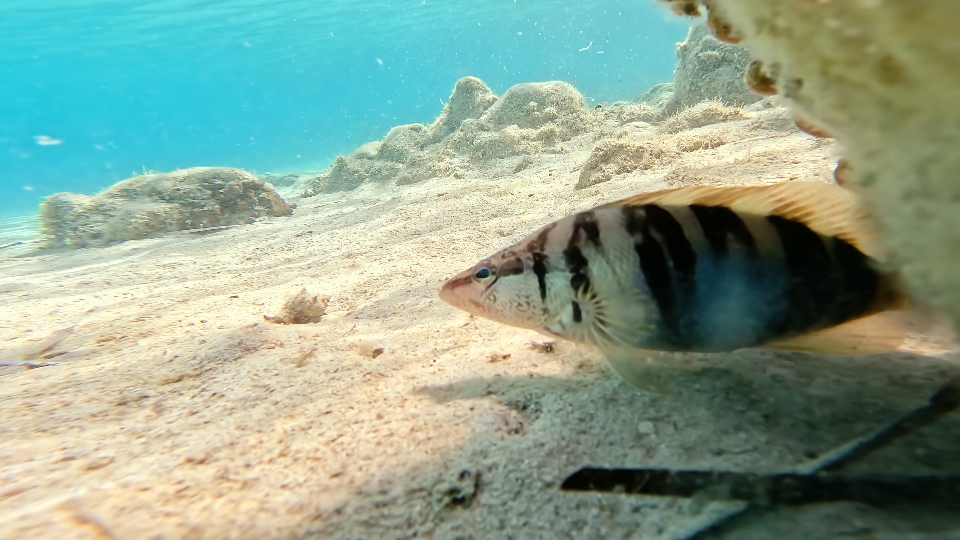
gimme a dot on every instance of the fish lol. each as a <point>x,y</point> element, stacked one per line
<point>792,266</point>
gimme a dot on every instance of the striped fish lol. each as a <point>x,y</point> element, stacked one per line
<point>698,269</point>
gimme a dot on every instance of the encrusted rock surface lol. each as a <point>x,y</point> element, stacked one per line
<point>708,69</point>
<point>154,204</point>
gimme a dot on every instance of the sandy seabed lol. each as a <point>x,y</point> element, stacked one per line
<point>178,412</point>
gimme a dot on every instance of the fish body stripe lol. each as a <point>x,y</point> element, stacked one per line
<point>719,224</point>
<point>682,255</point>
<point>860,281</point>
<point>826,285</point>
<point>512,267</point>
<point>577,263</point>
<point>577,266</point>
<point>587,222</point>
<point>540,270</point>
<point>808,267</point>
<point>653,262</point>
<point>539,244</point>
<point>656,271</point>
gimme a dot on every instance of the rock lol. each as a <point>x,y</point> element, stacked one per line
<point>474,129</point>
<point>531,118</point>
<point>658,96</point>
<point>154,204</point>
<point>709,69</point>
<point>471,98</point>
<point>538,105</point>
<point>280,180</point>
<point>612,157</point>
<point>702,114</point>
<point>349,172</point>
<point>402,142</point>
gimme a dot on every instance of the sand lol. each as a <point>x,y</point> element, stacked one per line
<point>177,411</point>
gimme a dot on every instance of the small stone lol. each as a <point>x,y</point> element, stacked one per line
<point>97,463</point>
<point>647,428</point>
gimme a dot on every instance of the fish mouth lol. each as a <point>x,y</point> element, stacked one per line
<point>461,292</point>
<point>448,293</point>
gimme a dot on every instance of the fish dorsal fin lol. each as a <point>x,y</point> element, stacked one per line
<point>883,332</point>
<point>827,209</point>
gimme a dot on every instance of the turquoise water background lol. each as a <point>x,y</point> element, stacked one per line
<point>94,90</point>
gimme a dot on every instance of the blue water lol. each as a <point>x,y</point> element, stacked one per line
<point>94,90</point>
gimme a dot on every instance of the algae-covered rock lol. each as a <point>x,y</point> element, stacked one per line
<point>474,129</point>
<point>537,105</point>
<point>349,172</point>
<point>154,204</point>
<point>709,69</point>
<point>613,157</point>
<point>531,118</point>
<point>658,96</point>
<point>280,180</point>
<point>301,308</point>
<point>702,114</point>
<point>402,142</point>
<point>471,98</point>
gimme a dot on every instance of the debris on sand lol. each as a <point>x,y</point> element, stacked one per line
<point>301,308</point>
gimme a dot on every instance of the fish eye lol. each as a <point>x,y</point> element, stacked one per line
<point>483,273</point>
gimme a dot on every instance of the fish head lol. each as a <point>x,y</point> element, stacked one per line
<point>503,287</point>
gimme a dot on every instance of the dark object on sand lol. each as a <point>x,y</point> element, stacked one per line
<point>816,483</point>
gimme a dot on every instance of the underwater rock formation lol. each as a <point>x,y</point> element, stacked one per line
<point>702,114</point>
<point>709,69</point>
<point>881,77</point>
<point>657,96</point>
<point>471,97</point>
<point>613,157</point>
<point>402,142</point>
<point>349,172</point>
<point>474,129</point>
<point>154,204</point>
<point>279,180</point>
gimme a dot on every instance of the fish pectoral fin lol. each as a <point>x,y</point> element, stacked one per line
<point>616,324</point>
<point>633,366</point>
<point>874,334</point>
